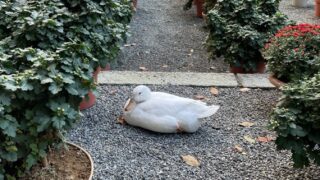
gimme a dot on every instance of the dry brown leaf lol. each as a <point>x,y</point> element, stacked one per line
<point>246,124</point>
<point>265,139</point>
<point>214,91</point>
<point>113,92</point>
<point>121,120</point>
<point>245,89</point>
<point>238,148</point>
<point>142,68</point>
<point>190,160</point>
<point>199,97</point>
<point>249,139</point>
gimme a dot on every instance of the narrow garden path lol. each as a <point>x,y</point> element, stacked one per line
<point>162,37</point>
<point>166,38</point>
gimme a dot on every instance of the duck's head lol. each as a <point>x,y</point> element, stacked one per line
<point>141,93</point>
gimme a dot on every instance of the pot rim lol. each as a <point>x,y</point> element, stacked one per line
<point>87,154</point>
<point>275,81</point>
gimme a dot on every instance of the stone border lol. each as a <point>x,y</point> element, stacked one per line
<point>185,79</point>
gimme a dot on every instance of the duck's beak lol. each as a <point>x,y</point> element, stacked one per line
<point>130,104</point>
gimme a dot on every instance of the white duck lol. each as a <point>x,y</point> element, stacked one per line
<point>165,113</point>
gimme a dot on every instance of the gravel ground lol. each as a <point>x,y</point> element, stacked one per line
<point>301,15</point>
<point>163,36</point>
<point>125,152</point>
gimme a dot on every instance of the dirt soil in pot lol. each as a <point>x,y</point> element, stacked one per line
<point>69,163</point>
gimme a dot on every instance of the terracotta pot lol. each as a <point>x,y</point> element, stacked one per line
<point>275,81</point>
<point>199,4</point>
<point>261,67</point>
<point>88,155</point>
<point>107,68</point>
<point>91,100</point>
<point>317,8</point>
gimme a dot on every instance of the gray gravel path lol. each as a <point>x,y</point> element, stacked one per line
<point>163,37</point>
<point>125,152</point>
<point>301,15</point>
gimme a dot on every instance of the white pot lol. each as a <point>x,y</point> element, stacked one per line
<point>300,3</point>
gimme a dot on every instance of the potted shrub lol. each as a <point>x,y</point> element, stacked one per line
<point>293,52</point>
<point>48,53</point>
<point>239,29</point>
<point>105,34</point>
<point>296,120</point>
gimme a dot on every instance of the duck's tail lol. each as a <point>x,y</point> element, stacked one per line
<point>210,111</point>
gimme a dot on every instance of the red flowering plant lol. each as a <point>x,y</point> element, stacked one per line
<point>294,52</point>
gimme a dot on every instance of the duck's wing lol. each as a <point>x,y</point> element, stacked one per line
<point>167,104</point>
<point>161,124</point>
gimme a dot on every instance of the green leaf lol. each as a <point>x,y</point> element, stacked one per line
<point>9,156</point>
<point>30,161</point>
<point>58,123</point>
<point>54,89</point>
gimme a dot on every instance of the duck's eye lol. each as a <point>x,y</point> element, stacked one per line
<point>140,93</point>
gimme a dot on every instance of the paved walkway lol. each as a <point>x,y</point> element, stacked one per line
<point>185,78</point>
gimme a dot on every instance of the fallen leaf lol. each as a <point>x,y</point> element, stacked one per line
<point>214,91</point>
<point>265,139</point>
<point>249,139</point>
<point>199,97</point>
<point>165,66</point>
<point>246,124</point>
<point>191,160</point>
<point>245,89</point>
<point>113,92</point>
<point>212,68</point>
<point>191,50</point>
<point>121,120</point>
<point>141,68</point>
<point>238,148</point>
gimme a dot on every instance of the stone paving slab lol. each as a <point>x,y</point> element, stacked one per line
<point>254,80</point>
<point>173,78</point>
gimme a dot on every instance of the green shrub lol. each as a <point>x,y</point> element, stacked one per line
<point>48,52</point>
<point>296,119</point>
<point>45,24</point>
<point>239,29</point>
<point>208,5</point>
<point>294,52</point>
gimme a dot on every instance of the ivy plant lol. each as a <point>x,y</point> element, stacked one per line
<point>239,29</point>
<point>296,119</point>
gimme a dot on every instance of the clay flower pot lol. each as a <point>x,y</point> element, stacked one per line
<point>62,163</point>
<point>261,67</point>
<point>199,4</point>
<point>275,81</point>
<point>91,100</point>
<point>317,8</point>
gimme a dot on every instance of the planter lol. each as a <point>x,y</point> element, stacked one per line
<point>107,68</point>
<point>261,67</point>
<point>71,163</point>
<point>300,3</point>
<point>317,8</point>
<point>134,5</point>
<point>91,99</point>
<point>275,81</point>
<point>199,5</point>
